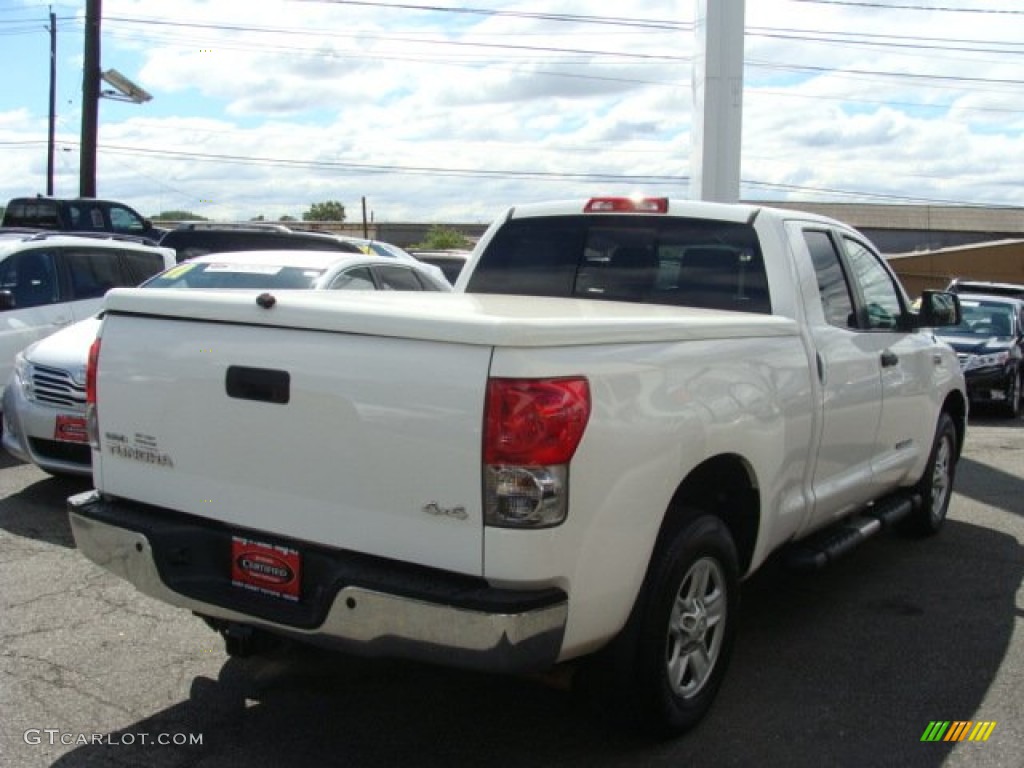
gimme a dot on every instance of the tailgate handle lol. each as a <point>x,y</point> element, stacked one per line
<point>262,384</point>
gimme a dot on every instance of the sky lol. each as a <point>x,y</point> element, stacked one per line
<point>444,112</point>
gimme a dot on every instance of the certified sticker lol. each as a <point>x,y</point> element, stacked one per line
<point>269,569</point>
<point>70,429</point>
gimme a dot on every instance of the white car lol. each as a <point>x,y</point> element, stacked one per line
<point>50,280</point>
<point>44,401</point>
<point>391,251</point>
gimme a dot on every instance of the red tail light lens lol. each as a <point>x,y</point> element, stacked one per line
<point>626,205</point>
<point>90,372</point>
<point>534,422</point>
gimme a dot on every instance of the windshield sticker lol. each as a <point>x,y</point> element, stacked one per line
<point>247,269</point>
<point>175,272</point>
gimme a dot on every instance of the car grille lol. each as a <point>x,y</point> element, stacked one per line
<point>75,453</point>
<point>963,358</point>
<point>55,386</point>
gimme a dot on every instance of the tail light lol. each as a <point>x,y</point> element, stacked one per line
<point>532,428</point>
<point>91,415</point>
<point>626,205</point>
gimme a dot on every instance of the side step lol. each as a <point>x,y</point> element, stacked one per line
<point>822,548</point>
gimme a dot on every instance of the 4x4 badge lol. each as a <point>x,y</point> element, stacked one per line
<point>433,508</point>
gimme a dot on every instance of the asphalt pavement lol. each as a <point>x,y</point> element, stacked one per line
<point>844,667</point>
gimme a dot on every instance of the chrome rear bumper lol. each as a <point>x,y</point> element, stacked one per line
<point>358,618</point>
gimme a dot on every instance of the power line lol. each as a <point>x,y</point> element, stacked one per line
<point>893,7</point>
<point>652,180</point>
<point>559,17</point>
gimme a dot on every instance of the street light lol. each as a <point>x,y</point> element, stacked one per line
<point>124,89</point>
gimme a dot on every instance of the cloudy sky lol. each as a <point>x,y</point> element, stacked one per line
<point>449,112</point>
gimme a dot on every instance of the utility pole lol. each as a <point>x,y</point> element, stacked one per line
<point>717,101</point>
<point>53,104</point>
<point>90,99</point>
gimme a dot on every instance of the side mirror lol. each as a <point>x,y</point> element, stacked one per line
<point>939,309</point>
<point>7,300</point>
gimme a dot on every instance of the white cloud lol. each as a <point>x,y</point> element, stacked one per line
<point>307,101</point>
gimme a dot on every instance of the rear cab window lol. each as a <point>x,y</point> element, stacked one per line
<point>678,262</point>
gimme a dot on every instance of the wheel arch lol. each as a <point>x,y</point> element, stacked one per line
<point>955,405</point>
<point>724,486</point>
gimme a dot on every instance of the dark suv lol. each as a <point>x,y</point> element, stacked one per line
<point>989,342</point>
<point>960,285</point>
<point>191,240</point>
<point>80,214</point>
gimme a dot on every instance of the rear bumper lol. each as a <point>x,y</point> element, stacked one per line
<point>350,601</point>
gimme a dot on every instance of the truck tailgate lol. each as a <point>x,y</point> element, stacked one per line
<point>349,440</point>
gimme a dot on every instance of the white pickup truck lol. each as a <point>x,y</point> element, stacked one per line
<point>626,406</point>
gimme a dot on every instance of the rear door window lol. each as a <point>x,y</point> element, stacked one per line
<point>93,272</point>
<point>355,279</point>
<point>397,279</point>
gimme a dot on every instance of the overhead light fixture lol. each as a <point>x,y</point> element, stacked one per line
<point>124,89</point>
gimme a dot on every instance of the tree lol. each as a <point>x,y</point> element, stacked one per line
<point>286,217</point>
<point>178,216</point>
<point>441,238</point>
<point>330,210</point>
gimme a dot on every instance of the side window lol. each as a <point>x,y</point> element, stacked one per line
<point>93,272</point>
<point>833,289</point>
<point>125,220</point>
<point>141,266</point>
<point>883,309</point>
<point>355,279</point>
<point>31,277</point>
<point>86,217</point>
<point>397,279</point>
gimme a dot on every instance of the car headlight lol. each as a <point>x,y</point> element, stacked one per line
<point>987,361</point>
<point>23,375</point>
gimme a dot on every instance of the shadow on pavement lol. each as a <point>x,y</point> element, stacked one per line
<point>845,667</point>
<point>39,511</point>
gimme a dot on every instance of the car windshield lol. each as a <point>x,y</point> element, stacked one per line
<point>983,318</point>
<point>227,275</point>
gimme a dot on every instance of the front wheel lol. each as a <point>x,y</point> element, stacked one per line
<point>674,651</point>
<point>1013,394</point>
<point>936,484</point>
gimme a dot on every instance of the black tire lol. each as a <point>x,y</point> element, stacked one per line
<point>936,484</point>
<point>668,663</point>
<point>1013,395</point>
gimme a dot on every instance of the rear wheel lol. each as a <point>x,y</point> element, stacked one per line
<point>936,484</point>
<point>671,657</point>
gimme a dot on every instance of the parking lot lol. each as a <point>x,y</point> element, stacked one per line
<point>846,667</point>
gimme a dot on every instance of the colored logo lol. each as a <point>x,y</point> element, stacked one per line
<point>958,730</point>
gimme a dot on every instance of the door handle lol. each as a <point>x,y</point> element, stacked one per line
<point>889,359</point>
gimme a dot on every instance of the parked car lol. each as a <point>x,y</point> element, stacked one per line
<point>960,285</point>
<point>44,401</point>
<point>49,280</point>
<point>199,239</point>
<point>395,252</point>
<point>989,343</point>
<point>79,214</point>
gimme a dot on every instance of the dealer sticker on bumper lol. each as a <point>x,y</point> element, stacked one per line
<point>269,569</point>
<point>70,429</point>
